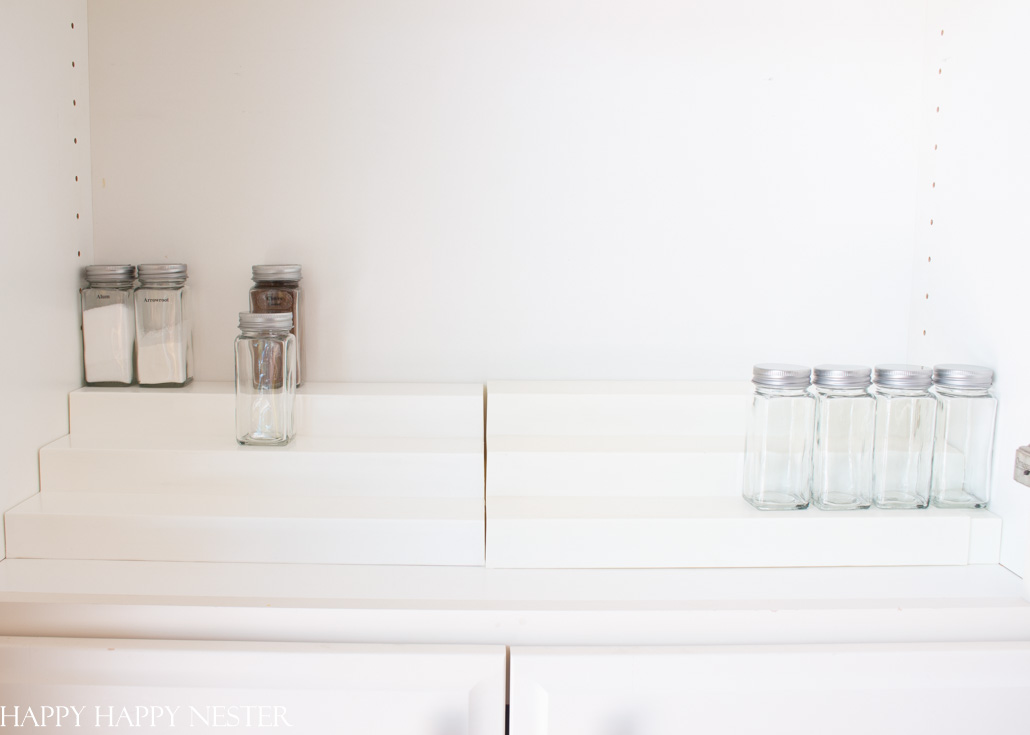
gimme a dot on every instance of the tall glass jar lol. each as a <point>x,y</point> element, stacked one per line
<point>903,437</point>
<point>266,379</point>
<point>843,456</point>
<point>778,447</point>
<point>164,326</point>
<point>277,290</point>
<point>964,437</point>
<point>108,325</point>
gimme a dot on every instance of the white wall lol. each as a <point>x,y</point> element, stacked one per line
<point>45,226</point>
<point>972,265</point>
<point>522,189</point>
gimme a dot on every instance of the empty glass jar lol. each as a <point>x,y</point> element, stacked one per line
<point>108,325</point>
<point>778,448</point>
<point>843,458</point>
<point>266,379</point>
<point>903,436</point>
<point>964,436</point>
<point>164,326</point>
<point>277,290</point>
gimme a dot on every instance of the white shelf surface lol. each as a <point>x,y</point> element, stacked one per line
<point>611,439</point>
<point>617,408</point>
<point>322,409</point>
<point>594,466</point>
<point>218,528</point>
<point>403,440</point>
<point>404,604</point>
<point>604,532</point>
<point>371,466</point>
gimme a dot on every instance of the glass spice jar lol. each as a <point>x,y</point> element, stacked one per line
<point>903,437</point>
<point>266,379</point>
<point>778,447</point>
<point>277,290</point>
<point>108,325</point>
<point>964,437</point>
<point>164,326</point>
<point>842,459</point>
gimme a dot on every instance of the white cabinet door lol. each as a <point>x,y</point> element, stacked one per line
<point>178,686</point>
<point>839,689</point>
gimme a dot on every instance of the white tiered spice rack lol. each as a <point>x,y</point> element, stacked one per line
<point>636,475</point>
<point>379,474</point>
<point>577,475</point>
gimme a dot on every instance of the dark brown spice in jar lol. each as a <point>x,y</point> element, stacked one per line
<point>276,290</point>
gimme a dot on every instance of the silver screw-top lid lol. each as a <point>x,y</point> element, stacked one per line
<point>841,376</point>
<point>781,375</point>
<point>162,272</point>
<point>904,377</point>
<point>1022,473</point>
<point>275,322</point>
<point>972,377</point>
<point>261,273</point>
<point>110,273</point>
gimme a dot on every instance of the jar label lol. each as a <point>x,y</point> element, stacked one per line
<point>267,302</point>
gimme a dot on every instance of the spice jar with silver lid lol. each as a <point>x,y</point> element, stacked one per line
<point>778,447</point>
<point>266,379</point>
<point>964,436</point>
<point>843,458</point>
<point>108,325</point>
<point>277,290</point>
<point>164,326</point>
<point>903,436</point>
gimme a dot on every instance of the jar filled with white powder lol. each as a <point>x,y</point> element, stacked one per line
<point>108,324</point>
<point>164,326</point>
